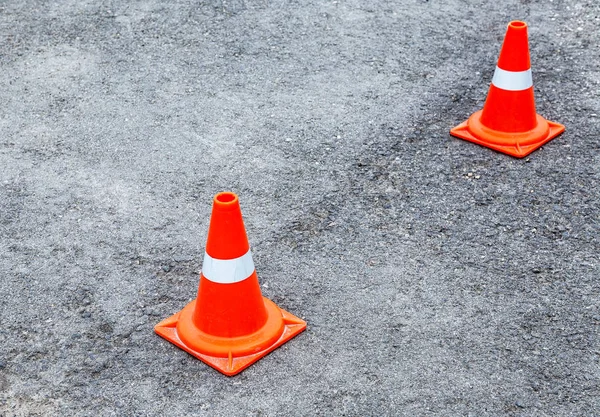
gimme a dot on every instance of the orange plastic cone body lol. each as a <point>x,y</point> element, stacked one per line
<point>230,325</point>
<point>508,122</point>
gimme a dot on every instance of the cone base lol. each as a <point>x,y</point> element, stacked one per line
<point>213,350</point>
<point>517,144</point>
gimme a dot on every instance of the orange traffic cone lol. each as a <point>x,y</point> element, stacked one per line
<point>230,325</point>
<point>508,122</point>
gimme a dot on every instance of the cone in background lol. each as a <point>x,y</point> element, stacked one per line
<point>230,325</point>
<point>508,122</point>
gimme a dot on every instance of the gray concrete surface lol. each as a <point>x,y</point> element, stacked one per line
<point>437,277</point>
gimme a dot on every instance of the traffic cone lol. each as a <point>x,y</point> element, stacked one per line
<point>508,122</point>
<point>230,325</point>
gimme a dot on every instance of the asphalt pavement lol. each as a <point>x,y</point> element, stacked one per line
<point>437,277</point>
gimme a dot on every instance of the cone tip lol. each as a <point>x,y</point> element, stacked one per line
<point>517,24</point>
<point>225,199</point>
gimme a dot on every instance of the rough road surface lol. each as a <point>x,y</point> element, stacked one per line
<point>437,277</point>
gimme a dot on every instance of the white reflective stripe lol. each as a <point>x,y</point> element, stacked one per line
<point>512,80</point>
<point>227,271</point>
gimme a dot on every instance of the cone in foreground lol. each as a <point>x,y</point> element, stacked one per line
<point>230,325</point>
<point>508,122</point>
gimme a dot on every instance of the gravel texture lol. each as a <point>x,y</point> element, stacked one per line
<point>437,277</point>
